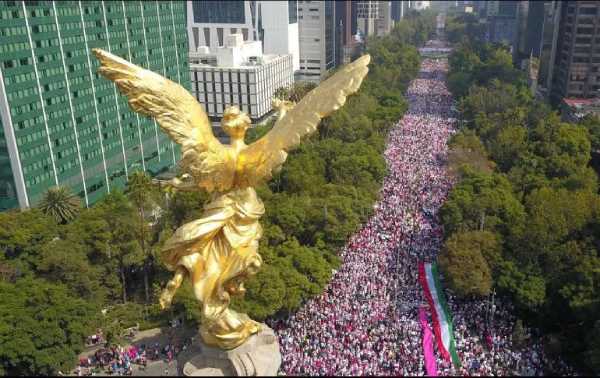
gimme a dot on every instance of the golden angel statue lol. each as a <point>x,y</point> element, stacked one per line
<point>220,250</point>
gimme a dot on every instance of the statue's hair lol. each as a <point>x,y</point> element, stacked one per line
<point>233,117</point>
<point>231,111</point>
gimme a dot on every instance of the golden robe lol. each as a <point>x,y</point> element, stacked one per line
<point>219,251</point>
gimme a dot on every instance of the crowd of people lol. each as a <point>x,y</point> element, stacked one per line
<point>366,320</point>
<point>120,360</point>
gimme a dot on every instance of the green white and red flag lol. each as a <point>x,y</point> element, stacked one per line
<point>440,314</point>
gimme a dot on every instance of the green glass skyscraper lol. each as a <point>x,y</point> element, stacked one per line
<point>63,124</point>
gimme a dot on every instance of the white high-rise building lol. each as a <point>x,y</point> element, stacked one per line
<point>277,28</point>
<point>238,74</point>
<point>317,39</point>
<point>273,23</point>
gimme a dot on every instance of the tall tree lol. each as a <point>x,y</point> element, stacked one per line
<point>143,195</point>
<point>465,260</point>
<point>123,247</point>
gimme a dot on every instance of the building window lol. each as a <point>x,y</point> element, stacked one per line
<point>207,36</point>
<point>220,36</point>
<point>583,40</point>
<point>588,11</point>
<point>585,30</point>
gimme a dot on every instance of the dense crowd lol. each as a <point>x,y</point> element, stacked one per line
<point>120,360</point>
<point>366,320</point>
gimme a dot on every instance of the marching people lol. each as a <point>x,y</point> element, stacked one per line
<point>365,322</point>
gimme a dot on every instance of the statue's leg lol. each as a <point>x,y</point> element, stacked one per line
<point>245,264</point>
<point>223,275</point>
<point>169,292</point>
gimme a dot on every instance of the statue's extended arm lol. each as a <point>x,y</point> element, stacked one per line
<point>168,293</point>
<point>186,183</point>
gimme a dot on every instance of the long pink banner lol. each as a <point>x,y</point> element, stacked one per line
<point>430,365</point>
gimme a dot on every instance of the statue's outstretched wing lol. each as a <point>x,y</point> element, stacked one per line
<point>178,114</point>
<point>260,159</point>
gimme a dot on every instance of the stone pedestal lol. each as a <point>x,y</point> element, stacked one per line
<point>258,356</point>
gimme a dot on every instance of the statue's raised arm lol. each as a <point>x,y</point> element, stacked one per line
<point>265,156</point>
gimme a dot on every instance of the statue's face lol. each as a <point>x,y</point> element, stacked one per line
<point>236,126</point>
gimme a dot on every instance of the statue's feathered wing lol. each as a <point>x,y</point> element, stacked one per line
<point>259,160</point>
<point>178,114</point>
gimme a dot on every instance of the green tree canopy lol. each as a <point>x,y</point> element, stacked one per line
<point>465,261</point>
<point>482,202</point>
<point>541,200</point>
<point>43,327</point>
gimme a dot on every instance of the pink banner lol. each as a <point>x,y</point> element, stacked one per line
<point>430,365</point>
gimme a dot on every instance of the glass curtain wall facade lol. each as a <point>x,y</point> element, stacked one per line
<point>63,124</point>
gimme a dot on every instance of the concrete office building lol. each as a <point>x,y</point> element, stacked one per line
<point>550,28</point>
<point>211,22</point>
<point>343,28</point>
<point>344,21</point>
<point>316,21</point>
<point>279,34</point>
<point>521,43</point>
<point>399,9</point>
<point>347,46</point>
<point>374,17</point>
<point>506,23</point>
<point>367,13</point>
<point>384,23</point>
<point>503,29</point>
<point>238,74</point>
<point>534,27</point>
<point>577,60</point>
<point>492,8</point>
<point>480,7</point>
<point>63,124</point>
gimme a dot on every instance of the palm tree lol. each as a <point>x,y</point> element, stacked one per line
<point>61,204</point>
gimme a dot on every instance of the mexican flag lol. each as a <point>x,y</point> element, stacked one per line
<point>442,320</point>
